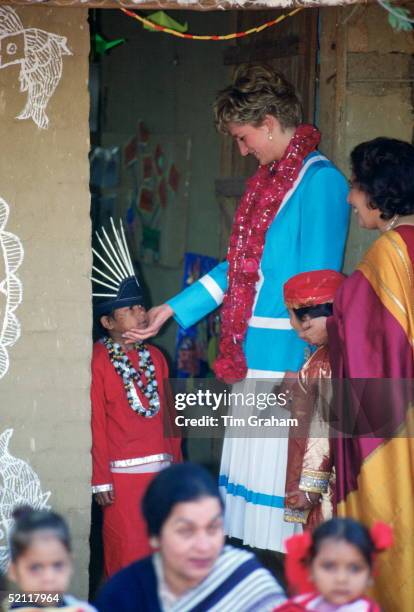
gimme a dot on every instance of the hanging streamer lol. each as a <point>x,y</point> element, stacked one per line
<point>255,30</point>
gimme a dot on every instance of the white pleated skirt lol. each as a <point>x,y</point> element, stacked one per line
<point>252,483</point>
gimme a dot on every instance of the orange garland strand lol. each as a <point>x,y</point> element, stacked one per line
<point>255,30</point>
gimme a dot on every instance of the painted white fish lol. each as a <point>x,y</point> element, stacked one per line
<point>39,54</point>
<point>19,485</point>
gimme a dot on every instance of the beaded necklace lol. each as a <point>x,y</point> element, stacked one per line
<point>130,375</point>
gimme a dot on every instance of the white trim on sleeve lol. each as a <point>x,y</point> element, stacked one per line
<point>270,323</point>
<point>213,288</point>
<point>264,374</point>
<point>102,488</point>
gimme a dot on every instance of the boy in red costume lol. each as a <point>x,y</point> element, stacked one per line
<point>310,475</point>
<point>129,445</point>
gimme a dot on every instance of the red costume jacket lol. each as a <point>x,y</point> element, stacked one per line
<point>119,433</point>
<point>310,452</point>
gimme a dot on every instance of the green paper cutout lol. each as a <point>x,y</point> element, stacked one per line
<point>399,18</point>
<point>101,45</point>
<point>397,22</point>
<point>162,19</point>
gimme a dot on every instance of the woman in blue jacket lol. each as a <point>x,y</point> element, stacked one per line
<point>292,218</point>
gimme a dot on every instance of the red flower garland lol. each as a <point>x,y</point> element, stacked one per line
<point>257,209</point>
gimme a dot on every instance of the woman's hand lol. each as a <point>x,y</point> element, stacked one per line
<point>314,331</point>
<point>157,316</point>
<point>298,500</point>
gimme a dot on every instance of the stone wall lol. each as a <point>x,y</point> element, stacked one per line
<point>44,179</point>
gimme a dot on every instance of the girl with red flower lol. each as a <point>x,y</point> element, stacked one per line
<point>293,217</point>
<point>331,569</point>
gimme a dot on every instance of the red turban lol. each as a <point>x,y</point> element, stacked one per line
<point>312,288</point>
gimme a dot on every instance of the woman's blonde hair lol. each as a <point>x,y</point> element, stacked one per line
<point>257,90</point>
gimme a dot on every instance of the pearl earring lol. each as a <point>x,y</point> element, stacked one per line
<point>270,136</point>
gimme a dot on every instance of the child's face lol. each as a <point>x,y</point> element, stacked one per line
<point>45,567</point>
<point>340,572</point>
<point>125,319</point>
<point>295,322</point>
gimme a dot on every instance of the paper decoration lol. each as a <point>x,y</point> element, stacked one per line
<point>105,167</point>
<point>196,346</point>
<point>130,216</point>
<point>101,45</point>
<point>11,290</point>
<point>39,54</point>
<point>146,200</point>
<point>162,19</point>
<point>174,178</point>
<point>150,244</point>
<point>399,18</point>
<point>143,133</point>
<point>150,25</point>
<point>162,192</point>
<point>19,486</point>
<point>147,167</point>
<point>131,151</point>
<point>159,159</point>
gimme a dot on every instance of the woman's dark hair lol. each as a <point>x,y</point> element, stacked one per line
<point>383,169</point>
<point>184,482</point>
<point>28,522</point>
<point>345,529</point>
<point>320,310</point>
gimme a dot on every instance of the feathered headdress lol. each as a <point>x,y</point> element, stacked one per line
<point>116,273</point>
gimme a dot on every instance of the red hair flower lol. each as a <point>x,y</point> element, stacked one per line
<point>382,536</point>
<point>297,573</point>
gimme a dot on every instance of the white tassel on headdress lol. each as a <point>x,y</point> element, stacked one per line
<point>116,259</point>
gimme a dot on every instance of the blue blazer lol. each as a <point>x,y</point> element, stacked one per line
<point>308,233</point>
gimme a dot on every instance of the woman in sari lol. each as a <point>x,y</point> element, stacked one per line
<point>191,570</point>
<point>371,337</point>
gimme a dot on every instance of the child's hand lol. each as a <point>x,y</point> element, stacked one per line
<point>314,331</point>
<point>157,316</point>
<point>299,501</point>
<point>106,498</point>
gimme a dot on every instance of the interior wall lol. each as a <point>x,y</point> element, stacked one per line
<point>44,396</point>
<point>170,84</point>
<point>366,90</point>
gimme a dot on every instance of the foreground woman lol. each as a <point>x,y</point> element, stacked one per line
<point>191,571</point>
<point>371,342</point>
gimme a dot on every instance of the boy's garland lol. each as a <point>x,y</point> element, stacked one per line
<point>129,374</point>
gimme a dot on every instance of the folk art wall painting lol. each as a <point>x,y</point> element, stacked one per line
<point>39,54</point>
<point>11,290</point>
<point>19,486</point>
